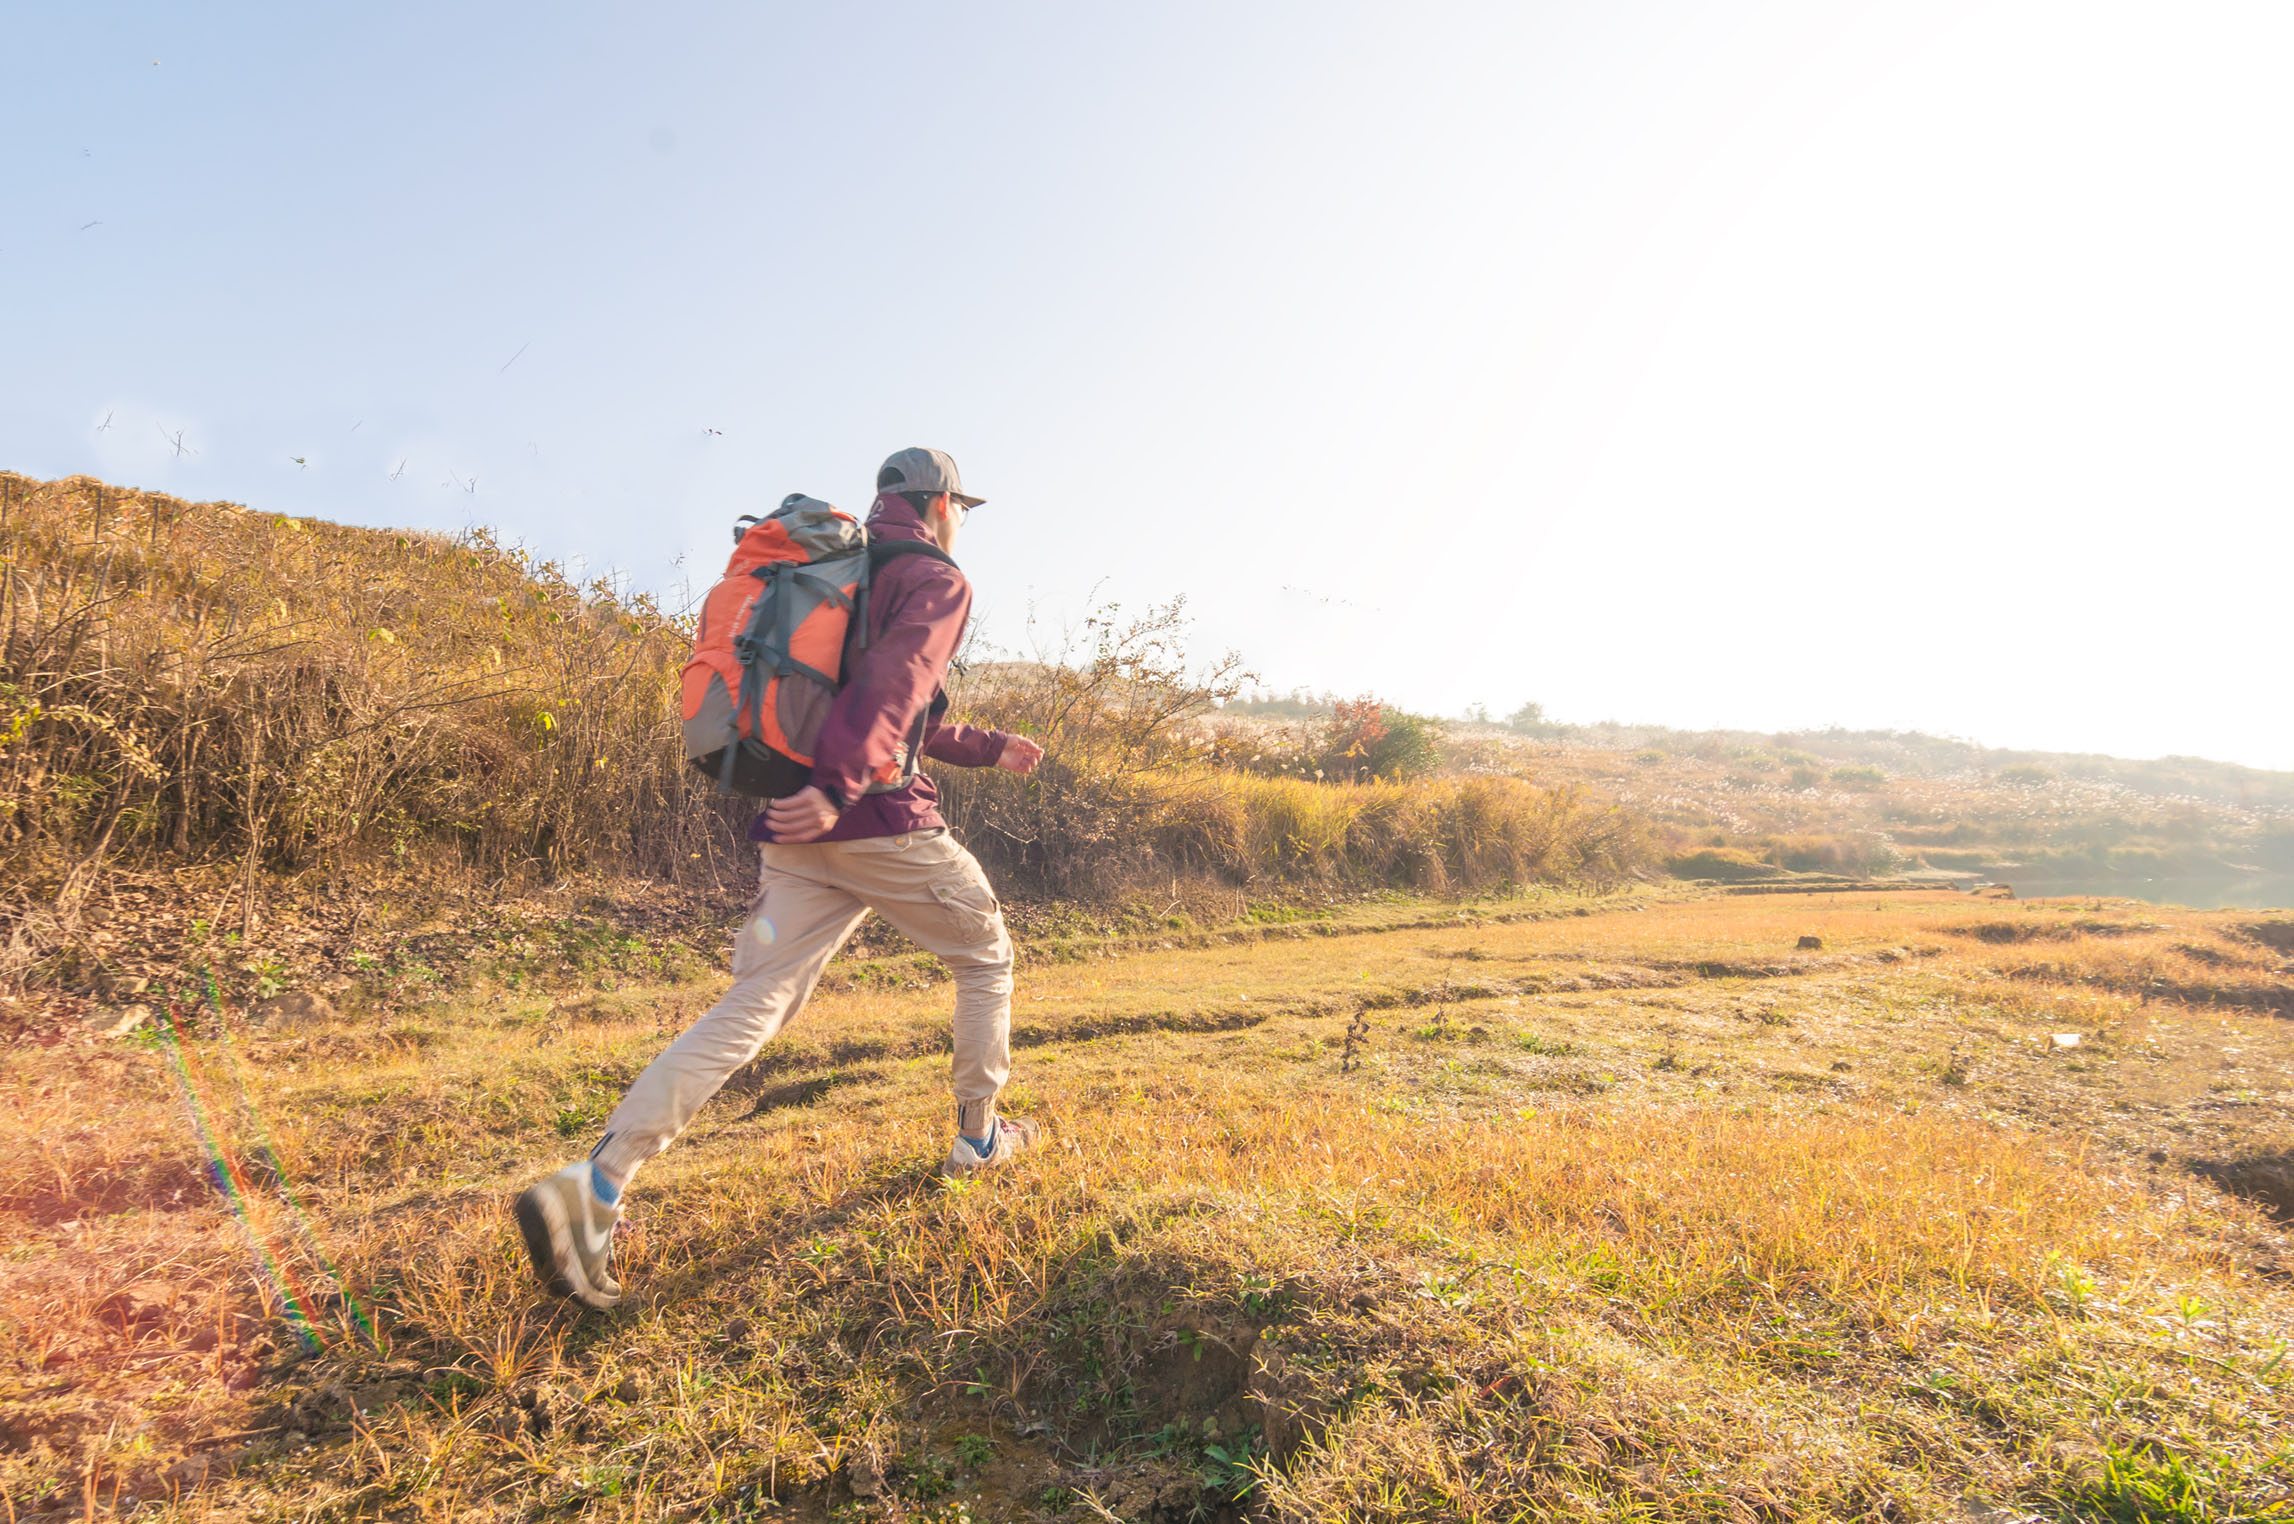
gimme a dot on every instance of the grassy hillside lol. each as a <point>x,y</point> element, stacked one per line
<point>315,740</point>
<point>1569,1209</point>
<point>217,722</point>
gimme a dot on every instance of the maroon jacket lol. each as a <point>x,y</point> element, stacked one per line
<point>917,606</point>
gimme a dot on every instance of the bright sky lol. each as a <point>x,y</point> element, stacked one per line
<point>1758,365</point>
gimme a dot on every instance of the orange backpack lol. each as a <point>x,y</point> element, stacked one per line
<point>770,648</point>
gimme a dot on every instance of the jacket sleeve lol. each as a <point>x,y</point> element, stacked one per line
<point>965,745</point>
<point>921,607</point>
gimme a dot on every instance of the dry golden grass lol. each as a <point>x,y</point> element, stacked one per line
<point>1625,1209</point>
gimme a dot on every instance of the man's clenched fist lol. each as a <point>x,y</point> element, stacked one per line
<point>805,815</point>
<point>1020,756</point>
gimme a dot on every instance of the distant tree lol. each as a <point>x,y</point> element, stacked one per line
<point>1527,717</point>
<point>1369,739</point>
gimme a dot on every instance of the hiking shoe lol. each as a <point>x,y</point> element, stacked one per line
<point>1013,1137</point>
<point>569,1236</point>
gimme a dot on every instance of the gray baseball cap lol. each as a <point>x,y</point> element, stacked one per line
<point>921,470</point>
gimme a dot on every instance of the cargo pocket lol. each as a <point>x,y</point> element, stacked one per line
<point>970,906</point>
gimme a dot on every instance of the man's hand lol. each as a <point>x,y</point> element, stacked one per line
<point>805,815</point>
<point>1020,755</point>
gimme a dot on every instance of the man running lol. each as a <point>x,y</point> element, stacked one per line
<point>832,852</point>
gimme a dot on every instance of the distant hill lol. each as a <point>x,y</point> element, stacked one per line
<point>1898,751</point>
<point>1864,802</point>
<point>2179,829</point>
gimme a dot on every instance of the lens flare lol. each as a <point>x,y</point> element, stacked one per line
<point>279,1177</point>
<point>225,1168</point>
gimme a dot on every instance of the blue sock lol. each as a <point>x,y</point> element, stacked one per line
<point>605,1189</point>
<point>981,1146</point>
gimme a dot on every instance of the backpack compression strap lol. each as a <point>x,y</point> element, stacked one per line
<point>763,651</point>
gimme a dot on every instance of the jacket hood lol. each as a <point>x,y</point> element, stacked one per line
<point>893,519</point>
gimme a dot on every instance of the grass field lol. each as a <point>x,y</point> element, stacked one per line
<point>1619,1209</point>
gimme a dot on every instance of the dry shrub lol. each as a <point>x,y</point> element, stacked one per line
<point>1820,854</point>
<point>1369,739</point>
<point>1728,863</point>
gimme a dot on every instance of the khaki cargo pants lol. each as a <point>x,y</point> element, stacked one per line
<point>811,897</point>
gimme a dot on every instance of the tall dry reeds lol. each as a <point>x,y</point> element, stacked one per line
<point>1434,835</point>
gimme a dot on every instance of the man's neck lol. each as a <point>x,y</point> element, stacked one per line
<point>894,519</point>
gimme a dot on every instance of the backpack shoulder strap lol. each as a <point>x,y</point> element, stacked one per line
<point>879,552</point>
